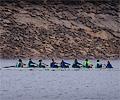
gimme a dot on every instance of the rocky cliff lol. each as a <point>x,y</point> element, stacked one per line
<point>68,31</point>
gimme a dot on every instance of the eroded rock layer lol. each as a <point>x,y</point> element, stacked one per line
<point>59,30</point>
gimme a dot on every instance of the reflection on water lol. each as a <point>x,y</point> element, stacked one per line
<point>6,62</point>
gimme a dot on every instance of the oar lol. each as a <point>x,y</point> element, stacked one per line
<point>81,65</point>
<point>8,66</point>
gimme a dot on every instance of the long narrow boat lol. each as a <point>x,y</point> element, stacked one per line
<point>58,69</point>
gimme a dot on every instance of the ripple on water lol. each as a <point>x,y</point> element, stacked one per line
<point>5,90</point>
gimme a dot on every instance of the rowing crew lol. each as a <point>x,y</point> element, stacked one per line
<point>63,64</point>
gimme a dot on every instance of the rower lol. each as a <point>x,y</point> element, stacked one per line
<point>87,64</point>
<point>76,64</point>
<point>64,64</point>
<point>30,63</point>
<point>53,64</point>
<point>108,65</point>
<point>98,64</point>
<point>41,64</point>
<point>19,63</point>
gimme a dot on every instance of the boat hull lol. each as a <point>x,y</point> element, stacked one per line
<point>59,69</point>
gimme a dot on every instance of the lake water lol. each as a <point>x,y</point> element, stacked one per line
<point>59,85</point>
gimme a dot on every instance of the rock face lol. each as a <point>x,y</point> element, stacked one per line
<point>59,31</point>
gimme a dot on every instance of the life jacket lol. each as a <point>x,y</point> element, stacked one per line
<point>28,64</point>
<point>97,65</point>
<point>63,64</point>
<point>74,62</point>
<point>18,64</point>
<point>39,64</point>
<point>86,64</point>
<point>109,66</point>
<point>52,64</point>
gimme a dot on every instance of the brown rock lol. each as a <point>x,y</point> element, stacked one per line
<point>60,31</point>
<point>6,21</point>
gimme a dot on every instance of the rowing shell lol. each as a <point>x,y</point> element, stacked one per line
<point>59,69</point>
